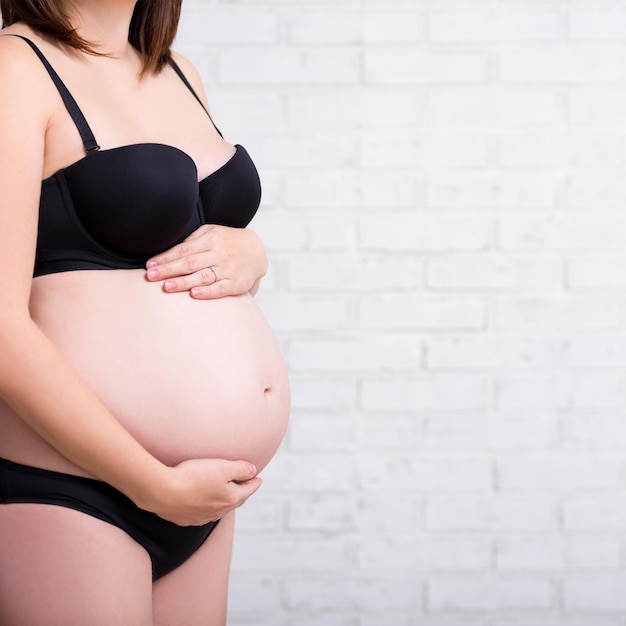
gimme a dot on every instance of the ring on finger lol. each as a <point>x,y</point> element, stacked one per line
<point>214,274</point>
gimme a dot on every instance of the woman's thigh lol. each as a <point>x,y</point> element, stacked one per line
<point>196,593</point>
<point>62,567</point>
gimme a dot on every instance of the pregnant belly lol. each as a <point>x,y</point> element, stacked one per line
<point>187,378</point>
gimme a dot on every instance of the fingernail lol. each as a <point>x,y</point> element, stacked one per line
<point>153,274</point>
<point>252,469</point>
<point>170,285</point>
<point>196,292</point>
<point>151,264</point>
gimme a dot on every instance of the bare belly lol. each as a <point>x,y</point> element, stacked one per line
<point>188,378</point>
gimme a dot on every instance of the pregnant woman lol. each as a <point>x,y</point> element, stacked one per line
<point>141,388</point>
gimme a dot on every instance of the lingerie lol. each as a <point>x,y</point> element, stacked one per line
<point>115,208</point>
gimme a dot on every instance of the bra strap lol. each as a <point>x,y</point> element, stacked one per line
<point>177,69</point>
<point>91,145</point>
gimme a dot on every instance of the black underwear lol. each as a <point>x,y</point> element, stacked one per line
<point>168,544</point>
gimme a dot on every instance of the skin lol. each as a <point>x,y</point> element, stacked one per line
<point>175,426</point>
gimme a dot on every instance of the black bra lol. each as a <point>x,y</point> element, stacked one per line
<point>115,208</point>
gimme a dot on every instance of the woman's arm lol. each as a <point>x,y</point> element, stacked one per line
<point>34,378</point>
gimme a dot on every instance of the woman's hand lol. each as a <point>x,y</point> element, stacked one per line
<point>213,262</point>
<point>199,491</point>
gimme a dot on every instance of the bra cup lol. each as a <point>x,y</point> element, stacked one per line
<point>231,196</point>
<point>137,200</point>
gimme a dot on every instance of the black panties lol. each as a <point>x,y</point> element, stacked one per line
<point>168,544</point>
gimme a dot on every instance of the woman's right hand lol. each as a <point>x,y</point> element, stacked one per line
<point>199,491</point>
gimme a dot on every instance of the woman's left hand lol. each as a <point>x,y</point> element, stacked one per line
<point>213,262</point>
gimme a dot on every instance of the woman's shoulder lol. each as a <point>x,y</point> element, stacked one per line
<point>25,86</point>
<point>17,59</point>
<point>191,73</point>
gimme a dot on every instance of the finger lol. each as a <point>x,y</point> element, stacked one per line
<point>239,471</point>
<point>206,277</point>
<point>246,489</point>
<point>180,268</point>
<point>220,289</point>
<point>193,244</point>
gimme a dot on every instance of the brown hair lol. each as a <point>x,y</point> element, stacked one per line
<point>152,28</point>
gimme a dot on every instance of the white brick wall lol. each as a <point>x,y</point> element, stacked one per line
<point>444,208</point>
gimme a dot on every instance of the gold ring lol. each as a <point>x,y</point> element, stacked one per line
<point>214,274</point>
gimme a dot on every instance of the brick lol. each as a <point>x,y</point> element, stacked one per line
<point>311,434</point>
<point>453,472</point>
<point>479,25</point>
<point>595,432</point>
<point>455,432</point>
<point>422,312</point>
<point>596,273</point>
<point>363,108</point>
<point>602,106</point>
<point>483,513</point>
<point>390,553</point>
<point>551,233</point>
<point>315,27</point>
<point>342,272</point>
<point>454,554</point>
<point>374,352</point>
<point>530,392</point>
<point>493,272</point>
<point>262,514</point>
<point>596,351</point>
<point>282,553</point>
<point>271,66</point>
<point>401,514</point>
<point>391,432</point>
<point>566,311</point>
<point>606,594</point>
<point>321,512</point>
<point>447,392</point>
<point>556,553</point>
<point>446,432</point>
<point>483,107</point>
<point>594,513</point>
<point>584,391</point>
<point>404,25</point>
<point>227,26</point>
<point>481,191</point>
<point>322,471</point>
<point>410,66</point>
<point>336,150</point>
<point>596,192</point>
<point>355,26</point>
<point>316,392</point>
<point>329,190</point>
<point>235,116</point>
<point>567,63</point>
<point>527,620</point>
<point>551,470</point>
<point>575,150</point>
<point>603,23</point>
<point>256,596</point>
<point>408,231</point>
<point>596,391</point>
<point>490,352</point>
<point>288,312</point>
<point>493,595</point>
<point>342,593</point>
<point>540,432</point>
<point>425,150</point>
